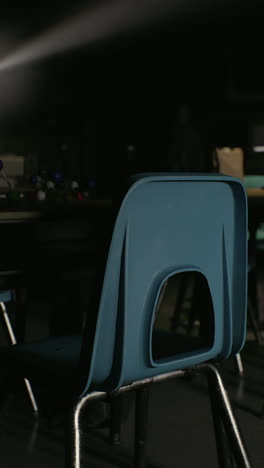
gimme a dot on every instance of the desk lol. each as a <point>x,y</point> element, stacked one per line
<point>255,213</point>
<point>255,207</point>
<point>42,244</point>
<point>255,192</point>
<point>54,226</point>
<point>255,218</point>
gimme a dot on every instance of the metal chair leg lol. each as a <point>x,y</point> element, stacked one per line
<point>141,423</point>
<point>73,436</point>
<point>223,449</point>
<point>224,410</point>
<point>239,365</point>
<point>13,341</point>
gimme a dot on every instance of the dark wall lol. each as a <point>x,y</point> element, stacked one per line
<point>82,111</point>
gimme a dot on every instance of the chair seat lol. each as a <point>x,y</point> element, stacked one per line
<point>53,362</point>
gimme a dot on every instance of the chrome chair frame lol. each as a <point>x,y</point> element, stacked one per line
<point>229,442</point>
<point>13,341</point>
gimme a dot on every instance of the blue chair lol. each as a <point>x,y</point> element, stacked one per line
<point>167,224</point>
<point>6,296</point>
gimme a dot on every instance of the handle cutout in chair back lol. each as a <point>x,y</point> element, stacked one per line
<point>184,317</point>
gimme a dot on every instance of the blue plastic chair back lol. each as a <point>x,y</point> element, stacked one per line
<point>169,224</point>
<point>5,295</point>
<point>254,181</point>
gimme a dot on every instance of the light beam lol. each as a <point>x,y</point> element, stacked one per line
<point>89,26</point>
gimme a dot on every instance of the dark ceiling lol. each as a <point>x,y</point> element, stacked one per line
<point>201,49</point>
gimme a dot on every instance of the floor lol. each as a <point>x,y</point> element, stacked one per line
<point>180,423</point>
